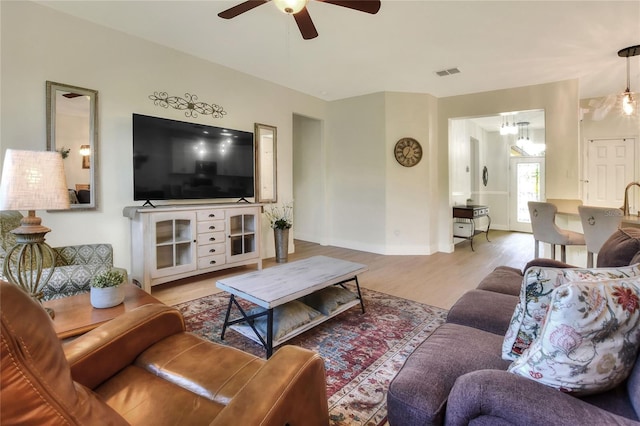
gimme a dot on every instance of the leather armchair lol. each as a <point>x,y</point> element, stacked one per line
<point>143,368</point>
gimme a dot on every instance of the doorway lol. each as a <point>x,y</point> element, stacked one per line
<point>609,168</point>
<point>485,154</point>
<point>527,184</point>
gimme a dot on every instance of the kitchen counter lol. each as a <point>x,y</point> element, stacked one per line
<point>631,220</point>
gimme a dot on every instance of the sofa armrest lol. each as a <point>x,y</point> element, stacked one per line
<point>543,262</point>
<point>502,397</point>
<point>102,352</point>
<point>290,388</point>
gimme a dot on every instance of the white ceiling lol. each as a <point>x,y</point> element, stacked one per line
<point>496,45</point>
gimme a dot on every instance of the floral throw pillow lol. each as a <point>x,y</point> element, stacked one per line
<point>535,294</point>
<point>589,340</point>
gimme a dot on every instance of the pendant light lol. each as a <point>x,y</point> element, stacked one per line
<point>504,129</point>
<point>628,98</point>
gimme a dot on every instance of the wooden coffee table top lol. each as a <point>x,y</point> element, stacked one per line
<point>277,285</point>
<point>74,315</point>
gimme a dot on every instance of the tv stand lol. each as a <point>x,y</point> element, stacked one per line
<point>243,200</point>
<point>179,241</point>
<point>148,203</point>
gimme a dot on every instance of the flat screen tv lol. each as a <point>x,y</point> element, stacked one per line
<point>176,160</point>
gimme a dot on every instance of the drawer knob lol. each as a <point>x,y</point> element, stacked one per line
<point>212,215</point>
<point>212,239</point>
<point>212,227</point>
<point>212,250</point>
<point>213,262</point>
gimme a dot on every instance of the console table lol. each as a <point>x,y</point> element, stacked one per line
<point>179,241</point>
<point>464,222</point>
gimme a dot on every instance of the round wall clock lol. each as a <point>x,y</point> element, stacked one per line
<point>408,152</point>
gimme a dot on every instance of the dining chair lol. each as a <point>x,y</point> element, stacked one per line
<point>544,228</point>
<point>598,223</point>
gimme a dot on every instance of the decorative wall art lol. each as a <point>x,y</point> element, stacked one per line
<point>189,103</point>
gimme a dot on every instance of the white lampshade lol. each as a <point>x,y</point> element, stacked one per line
<point>33,180</point>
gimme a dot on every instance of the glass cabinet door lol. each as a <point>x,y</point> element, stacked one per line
<point>243,239</point>
<point>174,244</point>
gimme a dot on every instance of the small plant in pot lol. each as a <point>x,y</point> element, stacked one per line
<point>107,289</point>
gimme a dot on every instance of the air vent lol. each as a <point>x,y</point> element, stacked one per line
<point>448,72</point>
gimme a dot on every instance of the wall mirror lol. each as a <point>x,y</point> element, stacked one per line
<point>266,165</point>
<point>72,130</point>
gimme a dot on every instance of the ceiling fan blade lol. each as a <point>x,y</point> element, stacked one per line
<point>241,8</point>
<point>368,6</point>
<point>305,24</point>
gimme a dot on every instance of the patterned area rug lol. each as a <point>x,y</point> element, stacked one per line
<point>362,352</point>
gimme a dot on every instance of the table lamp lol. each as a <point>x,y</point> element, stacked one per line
<point>32,180</point>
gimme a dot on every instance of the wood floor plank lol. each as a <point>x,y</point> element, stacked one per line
<point>438,279</point>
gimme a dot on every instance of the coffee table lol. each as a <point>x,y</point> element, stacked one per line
<point>277,285</point>
<point>74,315</point>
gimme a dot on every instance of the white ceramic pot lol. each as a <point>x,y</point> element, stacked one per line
<point>107,297</point>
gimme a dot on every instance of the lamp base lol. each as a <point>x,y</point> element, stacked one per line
<point>24,263</point>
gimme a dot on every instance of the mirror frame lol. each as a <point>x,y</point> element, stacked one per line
<point>266,163</point>
<point>51,89</point>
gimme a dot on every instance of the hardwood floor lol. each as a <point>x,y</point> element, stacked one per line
<point>437,280</point>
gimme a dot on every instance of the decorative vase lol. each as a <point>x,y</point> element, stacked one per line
<point>281,237</point>
<point>107,297</point>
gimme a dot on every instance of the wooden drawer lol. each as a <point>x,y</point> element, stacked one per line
<point>210,226</point>
<point>213,214</point>
<point>211,261</point>
<point>210,238</point>
<point>211,249</point>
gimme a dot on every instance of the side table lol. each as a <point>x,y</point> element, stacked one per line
<point>464,225</point>
<point>74,315</point>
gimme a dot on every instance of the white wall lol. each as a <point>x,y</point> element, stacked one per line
<point>370,202</point>
<point>40,44</point>
<point>356,163</point>
<point>309,166</point>
<point>408,189</point>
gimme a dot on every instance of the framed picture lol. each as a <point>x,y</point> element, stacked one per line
<point>86,162</point>
<point>266,138</point>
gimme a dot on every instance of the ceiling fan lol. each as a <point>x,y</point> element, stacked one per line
<point>298,8</point>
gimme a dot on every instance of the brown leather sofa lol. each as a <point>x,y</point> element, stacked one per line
<point>143,368</point>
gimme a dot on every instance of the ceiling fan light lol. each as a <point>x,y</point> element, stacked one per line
<point>290,7</point>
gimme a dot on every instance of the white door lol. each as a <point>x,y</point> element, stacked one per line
<point>526,184</point>
<point>609,168</point>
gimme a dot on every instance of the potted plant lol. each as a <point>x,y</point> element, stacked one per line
<point>107,289</point>
<point>281,220</point>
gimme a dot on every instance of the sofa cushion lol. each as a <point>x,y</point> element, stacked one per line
<point>484,310</point>
<point>589,340</point>
<point>535,295</point>
<point>418,394</point>
<point>621,247</point>
<point>503,279</point>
